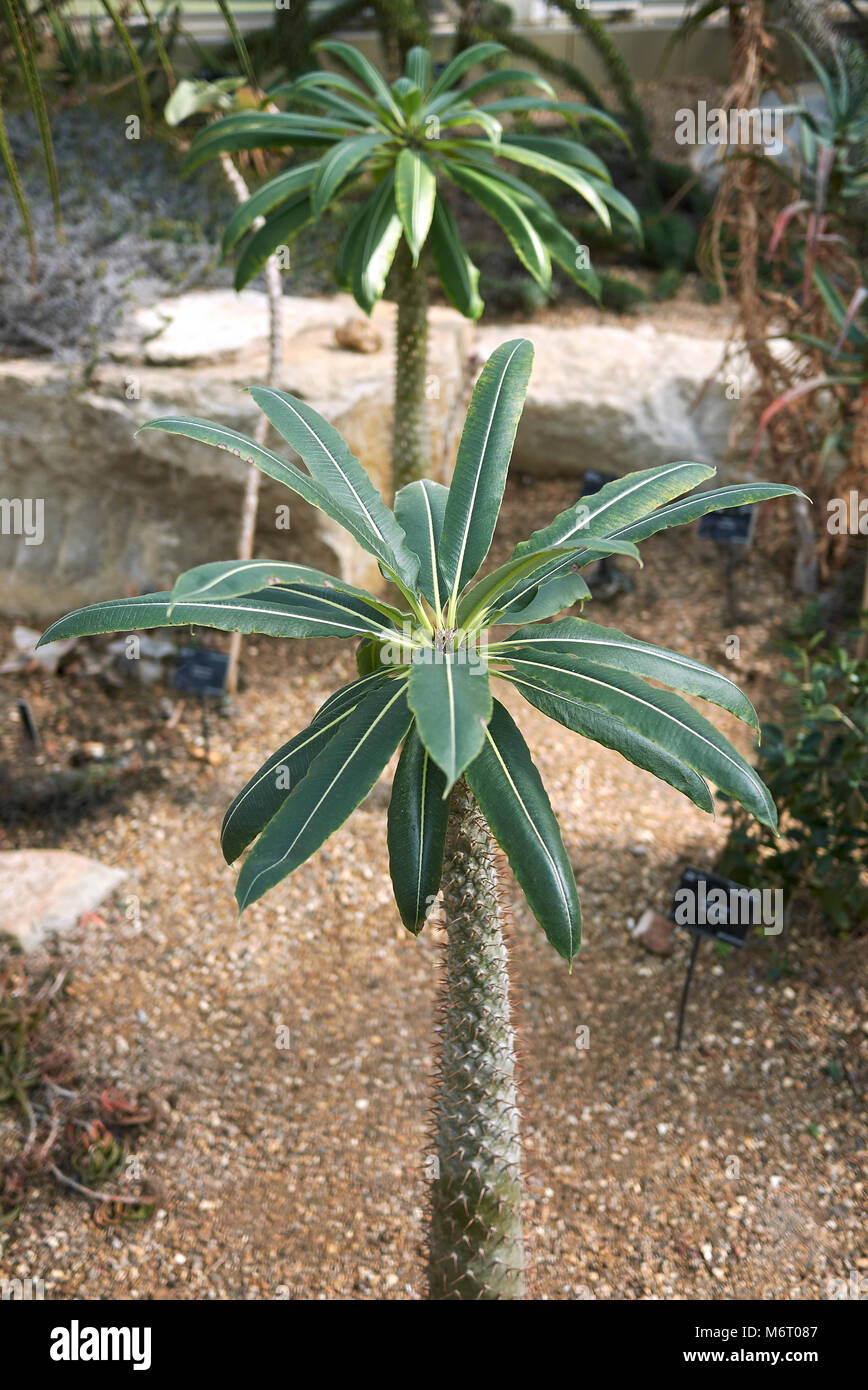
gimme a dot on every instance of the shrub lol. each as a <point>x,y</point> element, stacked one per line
<point>816,767</point>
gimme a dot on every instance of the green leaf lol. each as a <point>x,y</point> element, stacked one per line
<point>483,458</point>
<point>608,512</point>
<point>458,275</point>
<point>365,71</point>
<point>301,611</point>
<point>344,510</point>
<point>571,109</point>
<point>609,647</point>
<point>450,695</point>
<point>737,495</point>
<point>340,161</point>
<point>660,716</point>
<point>611,732</point>
<point>265,200</point>
<point>230,578</point>
<point>418,815</point>
<point>617,504</point>
<point>338,779</point>
<point>348,249</point>
<point>461,114</point>
<point>455,70</point>
<point>250,130</point>
<point>267,790</point>
<point>279,230</point>
<point>418,67</point>
<point>339,473</point>
<point>408,96</point>
<point>503,77</point>
<point>419,509</point>
<point>567,151</point>
<point>513,800</point>
<point>485,595</point>
<point>316,86</point>
<point>377,241</point>
<point>661,518</point>
<point>495,197</point>
<point>615,199</point>
<point>550,598</point>
<point>265,793</point>
<point>544,164</point>
<point>415,194</point>
<point>562,246</point>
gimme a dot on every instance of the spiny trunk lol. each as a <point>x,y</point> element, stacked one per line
<point>476,1250</point>
<point>411,442</point>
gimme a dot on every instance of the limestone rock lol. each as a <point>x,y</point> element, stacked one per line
<point>619,398</point>
<point>124,513</point>
<point>44,891</point>
<point>209,326</point>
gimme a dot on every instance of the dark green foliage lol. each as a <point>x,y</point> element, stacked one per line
<point>816,766</point>
<point>710,292</point>
<point>670,241</point>
<point>668,283</point>
<point>620,295</point>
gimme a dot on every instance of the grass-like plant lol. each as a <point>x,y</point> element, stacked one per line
<point>465,777</point>
<point>406,142</point>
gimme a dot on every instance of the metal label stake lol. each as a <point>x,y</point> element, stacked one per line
<point>709,905</point>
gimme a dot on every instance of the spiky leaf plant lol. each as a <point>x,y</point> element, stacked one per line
<point>465,777</point>
<point>412,139</point>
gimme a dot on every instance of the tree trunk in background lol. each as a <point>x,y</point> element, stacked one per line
<point>476,1250</point>
<point>402,24</point>
<point>250,503</point>
<point>293,34</point>
<point>411,437</point>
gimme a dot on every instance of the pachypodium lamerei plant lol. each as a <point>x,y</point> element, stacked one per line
<point>412,138</point>
<point>465,777</point>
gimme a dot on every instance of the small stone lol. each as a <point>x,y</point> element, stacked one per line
<point>654,932</point>
<point>358,335</point>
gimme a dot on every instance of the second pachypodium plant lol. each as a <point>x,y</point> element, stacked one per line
<point>404,144</point>
<point>465,777</point>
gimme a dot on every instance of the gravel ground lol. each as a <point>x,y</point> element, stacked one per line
<point>732,1169</point>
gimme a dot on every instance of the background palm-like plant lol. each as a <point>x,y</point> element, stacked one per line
<point>465,774</point>
<point>412,138</point>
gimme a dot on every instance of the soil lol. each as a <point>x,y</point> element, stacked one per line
<point>292,1164</point>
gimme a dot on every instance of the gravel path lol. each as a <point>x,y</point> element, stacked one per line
<point>733,1169</point>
